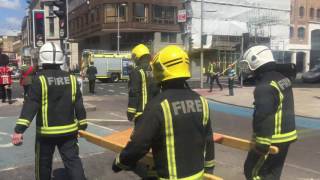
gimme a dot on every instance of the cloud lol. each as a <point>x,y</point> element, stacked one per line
<point>13,21</point>
<point>9,32</point>
<point>10,4</point>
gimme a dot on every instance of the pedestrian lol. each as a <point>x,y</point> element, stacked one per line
<point>273,118</point>
<point>207,73</point>
<point>141,83</point>
<point>231,77</point>
<point>214,75</point>
<point>91,73</point>
<point>26,77</point>
<point>5,78</point>
<point>56,99</point>
<point>175,124</point>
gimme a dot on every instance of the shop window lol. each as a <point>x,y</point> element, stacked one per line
<point>169,37</point>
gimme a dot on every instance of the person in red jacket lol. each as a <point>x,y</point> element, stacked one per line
<point>5,78</point>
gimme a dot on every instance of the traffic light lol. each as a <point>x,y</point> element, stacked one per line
<point>38,28</point>
<point>62,6</point>
<point>62,15</point>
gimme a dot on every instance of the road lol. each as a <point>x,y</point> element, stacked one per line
<point>303,160</point>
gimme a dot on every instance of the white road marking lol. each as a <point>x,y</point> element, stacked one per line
<point>107,120</point>
<point>102,127</point>
<point>111,85</point>
<point>100,88</point>
<point>7,145</point>
<point>110,90</point>
<point>122,87</point>
<point>124,93</point>
<point>303,169</point>
<point>8,169</point>
<point>117,115</point>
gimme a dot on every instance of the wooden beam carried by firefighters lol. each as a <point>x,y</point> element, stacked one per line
<point>117,141</point>
<point>238,143</point>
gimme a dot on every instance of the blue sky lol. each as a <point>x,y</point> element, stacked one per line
<point>11,15</point>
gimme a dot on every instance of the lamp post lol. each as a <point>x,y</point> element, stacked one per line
<point>201,42</point>
<point>118,21</point>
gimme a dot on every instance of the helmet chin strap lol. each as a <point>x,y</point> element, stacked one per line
<point>54,50</point>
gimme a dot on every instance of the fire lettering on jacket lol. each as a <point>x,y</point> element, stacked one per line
<point>187,106</point>
<point>58,81</point>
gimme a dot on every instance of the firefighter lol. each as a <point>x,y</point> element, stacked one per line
<point>92,72</point>
<point>141,83</point>
<point>214,75</point>
<point>175,124</point>
<point>273,118</point>
<point>56,99</point>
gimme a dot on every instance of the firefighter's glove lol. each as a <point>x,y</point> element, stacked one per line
<point>209,170</point>
<point>115,167</point>
<point>130,116</point>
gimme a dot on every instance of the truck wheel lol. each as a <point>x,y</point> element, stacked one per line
<point>115,78</point>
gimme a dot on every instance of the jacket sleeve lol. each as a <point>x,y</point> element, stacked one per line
<point>30,107</point>
<point>209,162</point>
<point>80,111</point>
<point>134,91</point>
<point>145,132</point>
<point>266,104</point>
<point>95,71</point>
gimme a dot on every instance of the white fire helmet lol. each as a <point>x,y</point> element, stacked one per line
<point>257,56</point>
<point>51,53</point>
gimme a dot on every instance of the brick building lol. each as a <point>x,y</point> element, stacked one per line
<point>305,33</point>
<point>153,22</point>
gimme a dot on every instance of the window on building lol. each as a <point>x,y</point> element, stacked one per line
<point>51,27</point>
<point>86,19</point>
<point>301,11</point>
<point>164,14</point>
<point>98,14</point>
<point>111,14</point>
<point>169,37</point>
<point>92,19</point>
<point>311,13</point>
<point>301,33</point>
<point>51,21</point>
<point>141,12</point>
<point>291,32</point>
<point>318,13</point>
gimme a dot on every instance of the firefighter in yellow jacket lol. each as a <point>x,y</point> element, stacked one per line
<point>175,124</point>
<point>141,84</point>
<point>56,99</point>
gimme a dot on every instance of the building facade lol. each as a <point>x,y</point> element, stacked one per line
<point>305,33</point>
<point>94,25</point>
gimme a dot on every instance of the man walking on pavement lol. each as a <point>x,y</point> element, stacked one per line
<point>141,83</point>
<point>175,124</point>
<point>5,78</point>
<point>91,73</point>
<point>273,118</point>
<point>56,99</point>
<point>27,73</point>
<point>214,75</point>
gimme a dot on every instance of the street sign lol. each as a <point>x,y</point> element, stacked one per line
<point>182,16</point>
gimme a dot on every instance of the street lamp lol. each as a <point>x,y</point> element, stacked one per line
<point>118,21</point>
<point>201,42</point>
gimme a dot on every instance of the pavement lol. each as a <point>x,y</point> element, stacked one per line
<point>110,102</point>
<point>307,100</point>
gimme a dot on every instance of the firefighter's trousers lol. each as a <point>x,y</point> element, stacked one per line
<point>69,152</point>
<point>266,167</point>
